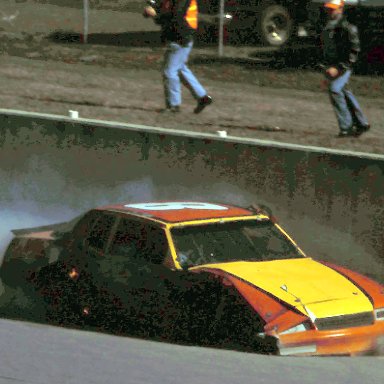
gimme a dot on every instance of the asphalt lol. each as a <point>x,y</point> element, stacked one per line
<point>40,354</point>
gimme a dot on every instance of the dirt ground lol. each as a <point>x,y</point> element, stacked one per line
<point>116,76</point>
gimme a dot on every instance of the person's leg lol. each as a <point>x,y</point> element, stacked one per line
<point>191,82</point>
<point>358,116</point>
<point>338,100</point>
<point>173,61</point>
<point>187,76</point>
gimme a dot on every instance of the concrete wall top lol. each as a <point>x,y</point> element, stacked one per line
<point>193,134</point>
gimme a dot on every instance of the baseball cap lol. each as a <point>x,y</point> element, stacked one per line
<point>334,4</point>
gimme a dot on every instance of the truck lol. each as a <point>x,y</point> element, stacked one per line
<point>289,24</point>
<point>277,22</point>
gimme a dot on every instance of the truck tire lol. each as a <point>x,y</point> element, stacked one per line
<point>274,24</point>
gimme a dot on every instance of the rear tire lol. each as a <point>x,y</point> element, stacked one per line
<point>274,24</point>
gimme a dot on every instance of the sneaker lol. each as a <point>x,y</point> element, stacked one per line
<point>360,129</point>
<point>202,103</point>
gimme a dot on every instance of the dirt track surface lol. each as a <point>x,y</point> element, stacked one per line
<point>117,76</point>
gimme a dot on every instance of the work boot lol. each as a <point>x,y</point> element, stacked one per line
<point>360,129</point>
<point>202,103</point>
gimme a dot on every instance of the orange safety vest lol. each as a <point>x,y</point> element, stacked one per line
<point>191,15</point>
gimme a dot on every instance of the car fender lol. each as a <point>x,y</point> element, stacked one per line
<point>277,315</point>
<point>26,254</point>
<point>373,290</point>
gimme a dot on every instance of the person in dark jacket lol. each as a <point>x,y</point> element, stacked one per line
<point>178,20</point>
<point>341,46</point>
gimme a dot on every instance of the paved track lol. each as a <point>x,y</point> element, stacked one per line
<point>40,354</point>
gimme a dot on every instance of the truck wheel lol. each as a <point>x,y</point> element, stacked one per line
<point>274,24</point>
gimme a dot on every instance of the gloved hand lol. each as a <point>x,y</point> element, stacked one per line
<point>149,11</point>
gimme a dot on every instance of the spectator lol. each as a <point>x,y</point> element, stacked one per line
<point>341,46</point>
<point>178,21</point>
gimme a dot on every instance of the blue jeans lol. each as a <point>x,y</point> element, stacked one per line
<point>347,109</point>
<point>176,71</point>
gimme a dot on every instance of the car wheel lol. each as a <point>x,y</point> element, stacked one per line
<point>75,304</point>
<point>274,24</point>
<point>61,312</point>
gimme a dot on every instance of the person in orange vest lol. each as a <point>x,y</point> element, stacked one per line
<point>178,20</point>
<point>341,46</point>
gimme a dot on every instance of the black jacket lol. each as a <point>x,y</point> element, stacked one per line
<point>174,27</point>
<point>341,44</point>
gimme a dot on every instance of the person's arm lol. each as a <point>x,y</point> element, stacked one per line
<point>321,62</point>
<point>160,12</point>
<point>163,18</point>
<point>354,46</point>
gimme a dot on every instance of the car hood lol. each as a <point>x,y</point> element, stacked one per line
<point>311,287</point>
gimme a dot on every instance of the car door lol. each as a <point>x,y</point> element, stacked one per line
<point>132,271</point>
<point>66,284</point>
<point>88,285</point>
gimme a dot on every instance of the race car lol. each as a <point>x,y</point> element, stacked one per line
<point>195,272</point>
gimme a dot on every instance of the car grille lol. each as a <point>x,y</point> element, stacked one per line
<point>345,321</point>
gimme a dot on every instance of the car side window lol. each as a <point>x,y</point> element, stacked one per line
<point>126,239</point>
<point>99,233</point>
<point>84,225</point>
<point>155,244</point>
<point>139,242</point>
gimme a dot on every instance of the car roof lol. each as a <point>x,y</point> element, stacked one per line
<point>180,211</point>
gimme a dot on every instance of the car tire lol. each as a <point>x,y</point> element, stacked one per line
<point>274,24</point>
<point>62,313</point>
<point>67,305</point>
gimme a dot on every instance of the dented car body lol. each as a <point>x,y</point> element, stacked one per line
<point>196,272</point>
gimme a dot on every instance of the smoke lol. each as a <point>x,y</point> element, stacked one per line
<point>329,244</point>
<point>23,214</point>
<point>39,209</point>
<point>49,205</point>
<point>20,212</point>
<point>45,183</point>
<point>221,192</point>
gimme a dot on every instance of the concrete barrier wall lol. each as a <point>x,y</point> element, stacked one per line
<point>52,168</point>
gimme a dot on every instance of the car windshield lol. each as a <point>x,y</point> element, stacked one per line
<point>246,240</point>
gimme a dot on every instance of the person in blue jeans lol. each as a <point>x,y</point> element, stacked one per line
<point>341,46</point>
<point>178,21</point>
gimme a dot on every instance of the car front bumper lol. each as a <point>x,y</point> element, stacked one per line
<point>349,341</point>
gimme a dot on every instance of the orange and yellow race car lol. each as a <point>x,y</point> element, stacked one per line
<point>193,272</point>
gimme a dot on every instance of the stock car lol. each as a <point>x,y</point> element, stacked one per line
<point>196,272</point>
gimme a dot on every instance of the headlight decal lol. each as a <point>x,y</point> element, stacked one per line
<point>297,328</point>
<point>303,349</point>
<point>379,314</point>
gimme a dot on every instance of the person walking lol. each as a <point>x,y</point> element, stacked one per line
<point>178,20</point>
<point>341,46</point>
